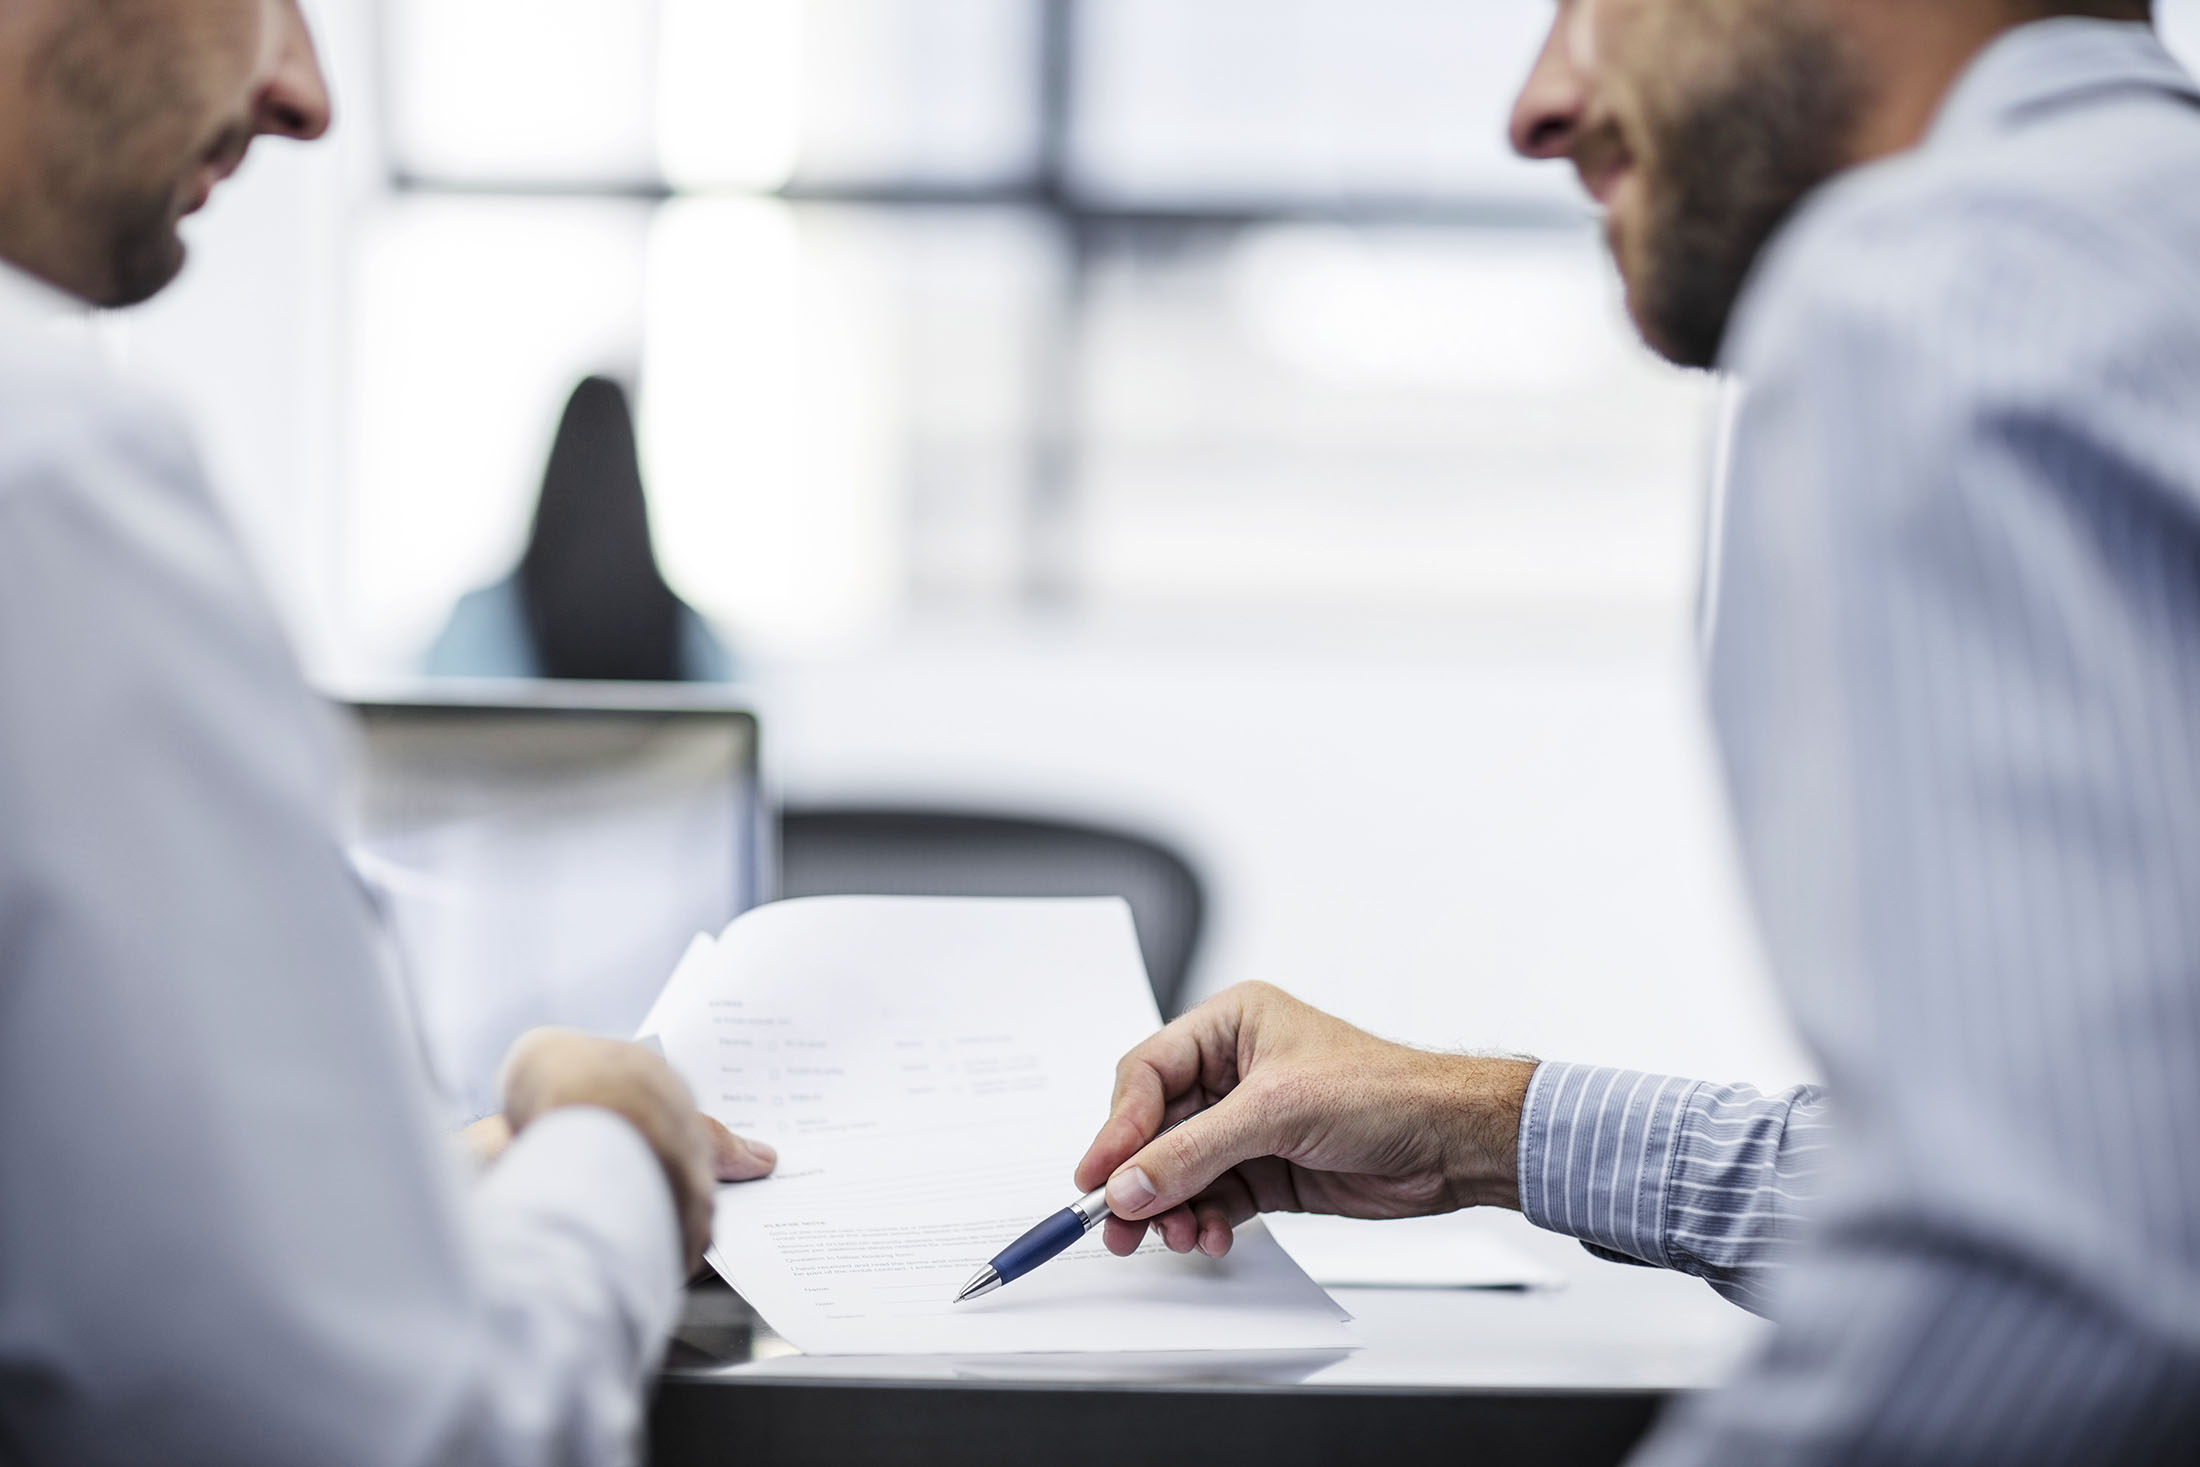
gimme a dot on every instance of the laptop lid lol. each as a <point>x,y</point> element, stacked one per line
<point>544,853</point>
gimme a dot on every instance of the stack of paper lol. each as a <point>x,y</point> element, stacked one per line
<point>930,1071</point>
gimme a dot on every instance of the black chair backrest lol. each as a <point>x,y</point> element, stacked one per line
<point>883,852</point>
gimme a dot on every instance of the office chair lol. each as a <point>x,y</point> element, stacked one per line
<point>883,852</point>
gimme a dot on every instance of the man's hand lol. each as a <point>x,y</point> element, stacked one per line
<point>551,1068</point>
<point>486,1139</point>
<point>1286,1109</point>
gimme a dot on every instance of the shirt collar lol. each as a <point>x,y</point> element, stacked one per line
<point>26,298</point>
<point>33,311</point>
<point>2037,67</point>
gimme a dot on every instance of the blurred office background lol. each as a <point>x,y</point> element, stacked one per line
<point>1181,414</point>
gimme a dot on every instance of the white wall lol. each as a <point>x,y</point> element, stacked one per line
<point>1500,834</point>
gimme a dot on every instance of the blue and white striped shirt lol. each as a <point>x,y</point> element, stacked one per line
<point>1956,682</point>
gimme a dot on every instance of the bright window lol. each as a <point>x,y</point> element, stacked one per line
<point>972,306</point>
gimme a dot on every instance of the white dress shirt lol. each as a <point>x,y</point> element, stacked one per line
<point>229,1232</point>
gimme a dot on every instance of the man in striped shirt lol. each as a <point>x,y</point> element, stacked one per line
<point>1951,248</point>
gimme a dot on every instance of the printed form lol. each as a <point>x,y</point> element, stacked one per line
<point>930,1070</point>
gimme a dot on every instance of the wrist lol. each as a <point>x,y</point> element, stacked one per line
<point>1475,1105</point>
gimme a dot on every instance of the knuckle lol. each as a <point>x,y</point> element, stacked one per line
<point>1179,1156</point>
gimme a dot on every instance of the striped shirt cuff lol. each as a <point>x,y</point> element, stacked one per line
<point>1597,1148</point>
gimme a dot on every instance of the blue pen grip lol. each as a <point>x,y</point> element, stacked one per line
<point>1053,1236</point>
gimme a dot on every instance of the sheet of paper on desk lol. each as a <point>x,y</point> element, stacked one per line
<point>930,1070</point>
<point>1457,1251</point>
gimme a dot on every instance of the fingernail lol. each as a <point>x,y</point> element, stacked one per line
<point>765,1152</point>
<point>1129,1190</point>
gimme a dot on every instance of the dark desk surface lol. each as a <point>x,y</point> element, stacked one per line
<point>1553,1377</point>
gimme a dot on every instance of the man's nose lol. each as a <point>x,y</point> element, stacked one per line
<point>1547,115</point>
<point>294,102</point>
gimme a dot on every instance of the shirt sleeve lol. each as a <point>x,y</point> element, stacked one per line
<point>1956,681</point>
<point>1711,1180</point>
<point>229,1229</point>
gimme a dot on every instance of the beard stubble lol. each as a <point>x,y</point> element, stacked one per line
<point>1729,164</point>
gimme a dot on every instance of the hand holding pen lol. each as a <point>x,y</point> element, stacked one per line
<point>1314,1116</point>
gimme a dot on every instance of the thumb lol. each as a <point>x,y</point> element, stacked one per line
<point>736,1158</point>
<point>1178,1165</point>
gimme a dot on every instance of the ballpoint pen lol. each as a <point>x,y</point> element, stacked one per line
<point>1047,1240</point>
<point>1035,1247</point>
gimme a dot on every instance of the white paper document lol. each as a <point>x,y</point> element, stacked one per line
<point>930,1071</point>
<point>1454,1251</point>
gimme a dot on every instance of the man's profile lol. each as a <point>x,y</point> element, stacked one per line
<point>228,1231</point>
<point>1951,251</point>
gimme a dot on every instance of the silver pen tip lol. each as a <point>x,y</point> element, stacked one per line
<point>983,1282</point>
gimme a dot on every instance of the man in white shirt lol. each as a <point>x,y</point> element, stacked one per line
<point>228,1231</point>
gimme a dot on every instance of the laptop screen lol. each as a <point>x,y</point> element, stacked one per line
<point>543,864</point>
